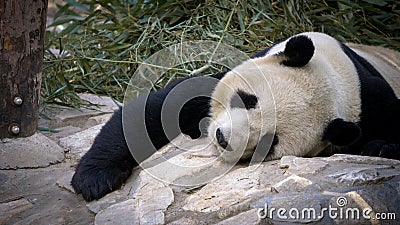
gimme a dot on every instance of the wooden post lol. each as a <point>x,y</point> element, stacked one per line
<point>22,30</point>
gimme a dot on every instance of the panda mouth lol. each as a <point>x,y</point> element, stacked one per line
<point>265,146</point>
<point>222,141</point>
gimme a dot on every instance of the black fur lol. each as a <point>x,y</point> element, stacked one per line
<point>381,148</point>
<point>108,163</point>
<point>244,100</point>
<point>299,50</point>
<point>380,110</point>
<point>342,133</point>
<point>221,139</point>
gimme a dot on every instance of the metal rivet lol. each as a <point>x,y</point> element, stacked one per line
<point>15,129</point>
<point>18,100</point>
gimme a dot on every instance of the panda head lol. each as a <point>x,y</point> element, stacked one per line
<point>283,99</point>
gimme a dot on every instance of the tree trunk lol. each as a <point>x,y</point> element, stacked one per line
<point>22,30</point>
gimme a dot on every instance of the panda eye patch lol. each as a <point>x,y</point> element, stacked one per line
<point>242,99</point>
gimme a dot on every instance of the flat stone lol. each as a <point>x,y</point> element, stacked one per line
<point>201,147</point>
<point>363,175</point>
<point>110,199</point>
<point>198,148</point>
<point>96,120</point>
<point>30,152</point>
<point>153,197</point>
<point>300,165</point>
<point>65,182</point>
<point>152,209</point>
<point>358,159</point>
<point>147,209</point>
<point>61,132</point>
<point>74,117</point>
<point>186,168</point>
<point>305,185</point>
<point>105,103</point>
<point>79,143</point>
<point>286,161</point>
<point>146,182</point>
<point>9,209</point>
<point>294,183</point>
<point>121,213</point>
<point>227,191</point>
<point>140,183</point>
<point>184,221</point>
<point>249,217</point>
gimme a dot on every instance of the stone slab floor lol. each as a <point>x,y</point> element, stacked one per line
<point>35,176</point>
<point>35,171</point>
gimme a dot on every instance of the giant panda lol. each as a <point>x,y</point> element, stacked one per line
<point>307,94</point>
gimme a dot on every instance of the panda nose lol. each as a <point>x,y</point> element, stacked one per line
<point>221,139</point>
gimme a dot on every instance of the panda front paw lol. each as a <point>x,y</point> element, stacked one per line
<point>341,133</point>
<point>382,148</point>
<point>95,178</point>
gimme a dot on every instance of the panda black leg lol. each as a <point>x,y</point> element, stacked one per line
<point>109,162</point>
<point>341,133</point>
<point>382,149</point>
<point>106,165</point>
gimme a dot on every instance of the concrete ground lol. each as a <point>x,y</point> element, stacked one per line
<point>35,175</point>
<point>35,172</point>
<point>31,196</point>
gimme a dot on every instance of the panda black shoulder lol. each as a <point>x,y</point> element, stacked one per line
<point>378,101</point>
<point>373,85</point>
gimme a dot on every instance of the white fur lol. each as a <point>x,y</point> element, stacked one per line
<point>296,102</point>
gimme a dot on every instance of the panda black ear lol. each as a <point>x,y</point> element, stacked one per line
<point>298,51</point>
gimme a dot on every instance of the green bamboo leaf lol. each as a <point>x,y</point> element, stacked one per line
<point>39,128</point>
<point>241,23</point>
<point>117,46</point>
<point>376,2</point>
<point>67,19</point>
<point>64,10</point>
<point>77,4</point>
<point>114,31</point>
